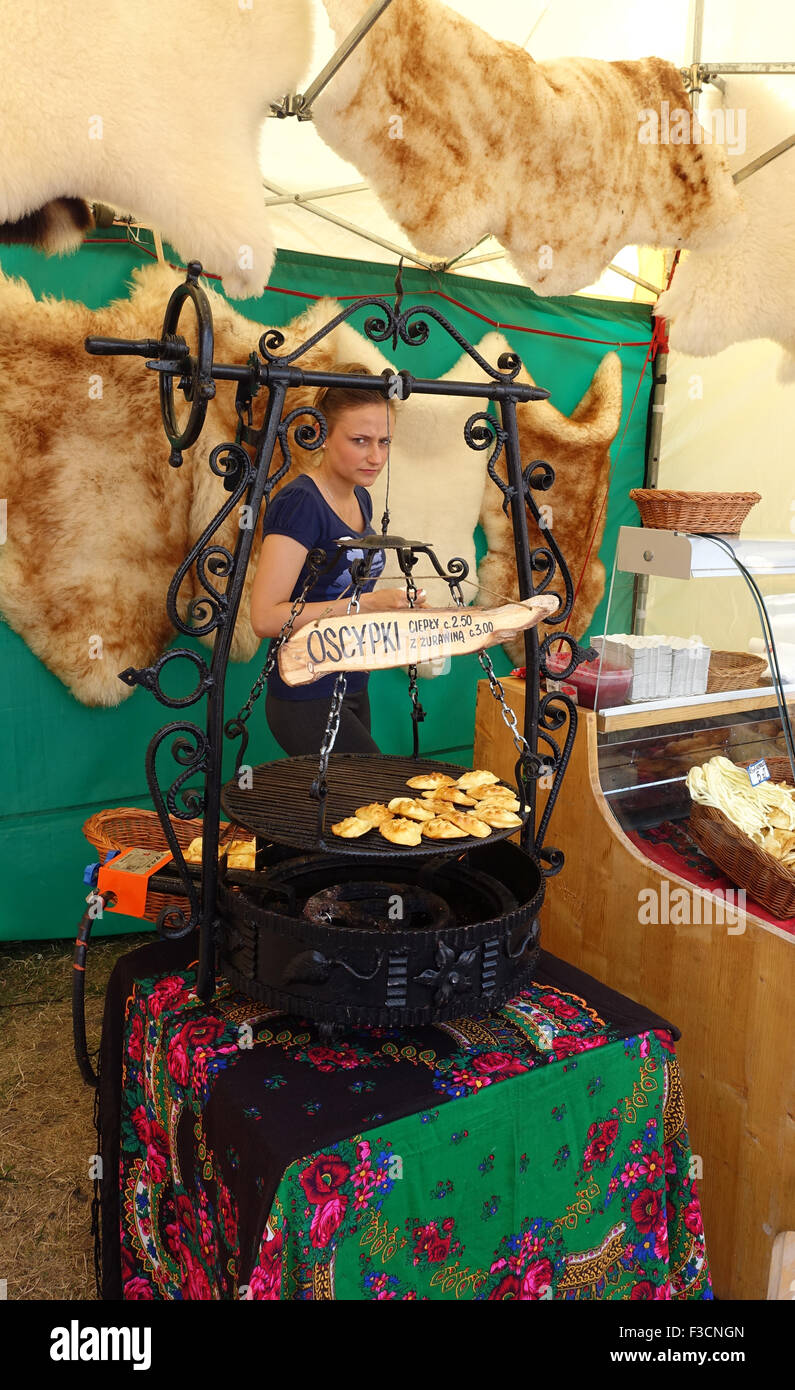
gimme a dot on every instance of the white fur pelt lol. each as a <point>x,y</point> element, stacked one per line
<point>745,289</point>
<point>462,135</point>
<point>575,507</point>
<point>154,108</point>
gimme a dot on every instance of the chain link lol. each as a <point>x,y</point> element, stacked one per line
<point>417,711</point>
<point>286,630</point>
<point>496,686</point>
<point>508,715</point>
<point>332,726</point>
<point>236,726</point>
<point>335,708</point>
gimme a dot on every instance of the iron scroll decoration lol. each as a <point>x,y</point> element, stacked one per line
<point>250,481</point>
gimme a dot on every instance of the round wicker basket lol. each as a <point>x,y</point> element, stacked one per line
<point>733,671</point>
<point>722,512</point>
<point>128,827</point>
<point>743,861</point>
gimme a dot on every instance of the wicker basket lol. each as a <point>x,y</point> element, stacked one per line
<point>129,827</point>
<point>734,671</point>
<point>764,879</point>
<point>722,512</point>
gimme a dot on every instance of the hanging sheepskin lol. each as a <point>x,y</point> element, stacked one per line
<point>462,135</point>
<point>98,522</point>
<point>577,447</point>
<point>153,108</point>
<point>745,289</point>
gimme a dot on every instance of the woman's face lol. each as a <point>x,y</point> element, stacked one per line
<point>356,446</point>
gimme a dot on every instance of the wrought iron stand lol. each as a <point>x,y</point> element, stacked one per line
<point>249,478</point>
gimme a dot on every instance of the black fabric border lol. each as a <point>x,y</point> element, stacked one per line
<point>625,1018</point>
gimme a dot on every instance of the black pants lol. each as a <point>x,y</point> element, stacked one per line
<point>298,725</point>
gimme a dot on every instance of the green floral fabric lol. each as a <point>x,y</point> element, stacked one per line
<point>540,1152</point>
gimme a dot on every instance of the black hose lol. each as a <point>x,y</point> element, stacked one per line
<point>79,989</point>
<point>96,1200</point>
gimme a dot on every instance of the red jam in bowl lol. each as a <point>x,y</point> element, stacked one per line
<point>614,681</point>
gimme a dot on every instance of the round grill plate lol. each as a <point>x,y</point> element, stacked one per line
<point>278,805</point>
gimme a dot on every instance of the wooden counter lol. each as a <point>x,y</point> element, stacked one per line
<point>730,993</point>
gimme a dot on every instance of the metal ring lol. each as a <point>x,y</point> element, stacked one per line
<point>200,387</point>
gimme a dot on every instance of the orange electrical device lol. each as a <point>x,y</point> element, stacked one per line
<point>127,877</point>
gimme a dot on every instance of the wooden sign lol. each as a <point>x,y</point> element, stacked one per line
<point>375,641</point>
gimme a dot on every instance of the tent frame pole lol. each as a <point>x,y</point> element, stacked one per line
<point>301,202</point>
<point>300,104</point>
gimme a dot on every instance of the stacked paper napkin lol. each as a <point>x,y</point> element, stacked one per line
<point>662,667</point>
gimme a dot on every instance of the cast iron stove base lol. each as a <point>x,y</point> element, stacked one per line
<point>349,942</point>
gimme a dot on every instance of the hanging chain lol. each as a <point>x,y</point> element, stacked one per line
<point>496,686</point>
<point>417,712</point>
<point>528,766</point>
<point>319,787</point>
<point>236,726</point>
<point>285,631</point>
<point>508,714</point>
<point>332,729</point>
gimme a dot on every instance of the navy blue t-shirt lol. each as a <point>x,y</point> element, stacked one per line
<point>301,511</point>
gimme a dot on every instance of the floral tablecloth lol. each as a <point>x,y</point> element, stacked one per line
<point>538,1152</point>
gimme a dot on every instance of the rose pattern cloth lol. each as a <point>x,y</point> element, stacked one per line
<point>533,1154</point>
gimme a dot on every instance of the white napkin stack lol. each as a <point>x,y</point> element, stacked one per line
<point>662,667</point>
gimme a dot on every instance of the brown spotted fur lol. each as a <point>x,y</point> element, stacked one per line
<point>98,522</point>
<point>578,448</point>
<point>543,156</point>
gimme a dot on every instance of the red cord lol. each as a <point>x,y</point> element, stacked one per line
<point>304,294</point>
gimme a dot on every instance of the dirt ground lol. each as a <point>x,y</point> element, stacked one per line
<point>47,1134</point>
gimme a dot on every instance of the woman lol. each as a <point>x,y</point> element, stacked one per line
<point>316,511</point>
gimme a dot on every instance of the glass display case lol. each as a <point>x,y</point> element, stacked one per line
<point>640,906</point>
<point>711,635</point>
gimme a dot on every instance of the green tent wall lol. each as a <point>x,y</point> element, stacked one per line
<point>61,761</point>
